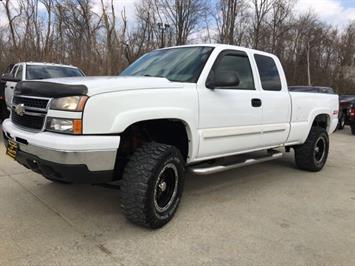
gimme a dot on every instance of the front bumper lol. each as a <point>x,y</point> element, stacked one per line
<point>75,159</point>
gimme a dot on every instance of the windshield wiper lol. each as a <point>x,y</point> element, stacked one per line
<point>148,75</point>
<point>154,76</point>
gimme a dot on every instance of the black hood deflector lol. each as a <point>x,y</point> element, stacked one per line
<point>49,89</point>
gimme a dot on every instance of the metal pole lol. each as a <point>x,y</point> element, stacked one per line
<point>163,27</point>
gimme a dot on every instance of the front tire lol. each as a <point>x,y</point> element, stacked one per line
<point>152,185</point>
<point>313,154</point>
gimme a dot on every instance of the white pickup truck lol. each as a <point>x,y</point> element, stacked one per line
<point>32,71</point>
<point>202,108</point>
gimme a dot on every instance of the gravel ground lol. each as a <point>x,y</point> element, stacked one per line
<point>268,214</point>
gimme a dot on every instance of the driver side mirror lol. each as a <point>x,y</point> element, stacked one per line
<point>222,79</point>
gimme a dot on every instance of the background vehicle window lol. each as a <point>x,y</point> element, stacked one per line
<point>19,72</point>
<point>239,64</point>
<point>47,72</point>
<point>13,71</point>
<point>269,74</point>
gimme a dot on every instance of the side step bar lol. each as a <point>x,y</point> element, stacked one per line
<point>204,169</point>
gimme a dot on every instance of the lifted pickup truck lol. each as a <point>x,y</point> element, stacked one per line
<point>190,107</point>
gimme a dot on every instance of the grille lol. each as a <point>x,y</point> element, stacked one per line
<point>34,113</point>
<point>28,121</point>
<point>31,102</point>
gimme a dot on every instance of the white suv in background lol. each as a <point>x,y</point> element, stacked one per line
<point>36,71</point>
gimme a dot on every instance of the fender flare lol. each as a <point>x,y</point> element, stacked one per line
<point>126,119</point>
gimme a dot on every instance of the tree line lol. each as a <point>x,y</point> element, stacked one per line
<point>101,40</point>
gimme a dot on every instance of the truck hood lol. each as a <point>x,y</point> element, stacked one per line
<point>98,85</point>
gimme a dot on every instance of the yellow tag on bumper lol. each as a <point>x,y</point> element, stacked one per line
<point>12,149</point>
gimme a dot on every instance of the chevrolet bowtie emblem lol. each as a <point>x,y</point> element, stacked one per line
<point>20,109</point>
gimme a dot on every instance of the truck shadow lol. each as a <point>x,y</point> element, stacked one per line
<point>102,200</point>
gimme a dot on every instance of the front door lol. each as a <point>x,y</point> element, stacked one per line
<point>230,118</point>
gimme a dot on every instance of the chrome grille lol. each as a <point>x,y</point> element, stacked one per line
<point>29,112</point>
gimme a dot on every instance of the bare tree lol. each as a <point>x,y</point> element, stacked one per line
<point>48,4</point>
<point>184,15</point>
<point>230,13</point>
<point>261,9</point>
<point>11,19</point>
<point>105,41</point>
<point>109,21</point>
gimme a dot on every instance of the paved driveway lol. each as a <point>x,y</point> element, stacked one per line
<point>267,214</point>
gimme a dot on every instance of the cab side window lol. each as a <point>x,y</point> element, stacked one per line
<point>19,72</point>
<point>237,62</point>
<point>269,74</point>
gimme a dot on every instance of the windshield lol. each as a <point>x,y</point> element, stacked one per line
<point>176,64</point>
<point>47,72</point>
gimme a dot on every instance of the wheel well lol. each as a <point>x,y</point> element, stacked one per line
<point>167,131</point>
<point>321,121</point>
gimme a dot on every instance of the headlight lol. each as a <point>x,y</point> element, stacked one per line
<point>63,125</point>
<point>72,103</point>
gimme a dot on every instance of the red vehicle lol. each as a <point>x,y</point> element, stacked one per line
<point>346,105</point>
<point>351,116</point>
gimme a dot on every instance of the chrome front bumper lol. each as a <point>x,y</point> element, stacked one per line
<point>95,160</point>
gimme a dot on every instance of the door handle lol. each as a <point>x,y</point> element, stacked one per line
<point>12,87</point>
<point>256,102</point>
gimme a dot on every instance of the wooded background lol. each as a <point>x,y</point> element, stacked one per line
<point>103,41</point>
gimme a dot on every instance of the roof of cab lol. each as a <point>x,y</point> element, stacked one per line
<point>45,64</point>
<point>221,46</point>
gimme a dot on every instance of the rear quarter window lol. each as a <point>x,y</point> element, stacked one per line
<point>269,74</point>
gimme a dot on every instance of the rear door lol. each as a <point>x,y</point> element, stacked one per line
<point>276,101</point>
<point>229,118</point>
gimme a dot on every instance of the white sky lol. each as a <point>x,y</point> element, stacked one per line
<point>128,5</point>
<point>336,12</point>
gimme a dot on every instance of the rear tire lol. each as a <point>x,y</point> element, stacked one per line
<point>313,154</point>
<point>353,129</point>
<point>341,123</point>
<point>152,185</point>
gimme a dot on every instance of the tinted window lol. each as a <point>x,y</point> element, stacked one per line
<point>19,72</point>
<point>176,64</point>
<point>269,74</point>
<point>47,72</point>
<point>238,63</point>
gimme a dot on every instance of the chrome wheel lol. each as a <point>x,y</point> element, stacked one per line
<point>319,150</point>
<point>166,188</point>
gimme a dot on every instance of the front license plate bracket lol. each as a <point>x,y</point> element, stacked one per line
<point>12,148</point>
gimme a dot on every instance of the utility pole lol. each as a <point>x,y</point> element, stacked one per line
<point>163,27</point>
<point>308,65</point>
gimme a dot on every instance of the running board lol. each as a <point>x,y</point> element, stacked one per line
<point>217,168</point>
